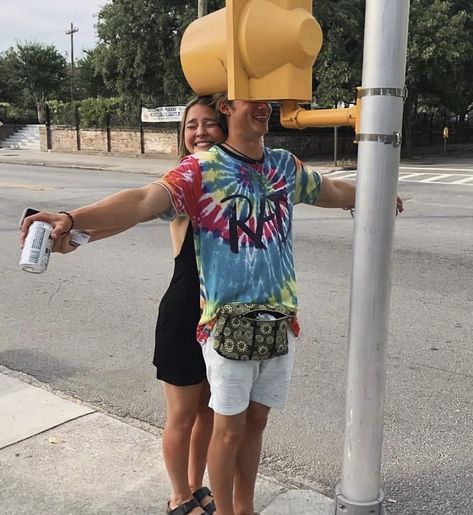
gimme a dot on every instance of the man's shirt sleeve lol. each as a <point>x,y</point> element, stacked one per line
<point>184,187</point>
<point>308,183</point>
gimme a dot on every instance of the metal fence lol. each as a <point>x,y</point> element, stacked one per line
<point>428,129</point>
<point>13,115</point>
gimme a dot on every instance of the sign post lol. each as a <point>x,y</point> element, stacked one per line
<point>445,138</point>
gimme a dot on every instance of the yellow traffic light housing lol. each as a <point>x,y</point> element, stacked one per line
<point>261,50</point>
<point>254,50</point>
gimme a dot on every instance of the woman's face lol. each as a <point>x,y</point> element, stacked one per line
<point>201,129</point>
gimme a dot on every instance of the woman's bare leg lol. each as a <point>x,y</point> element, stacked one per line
<point>182,405</point>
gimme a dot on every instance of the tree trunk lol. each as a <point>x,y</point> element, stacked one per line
<point>41,109</point>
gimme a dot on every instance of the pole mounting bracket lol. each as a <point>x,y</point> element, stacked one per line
<point>382,92</point>
<point>394,139</point>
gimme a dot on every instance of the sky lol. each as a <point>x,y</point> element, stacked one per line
<point>46,21</point>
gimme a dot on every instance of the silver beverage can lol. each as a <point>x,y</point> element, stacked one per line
<point>37,248</point>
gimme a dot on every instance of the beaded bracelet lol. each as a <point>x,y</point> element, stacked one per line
<point>71,218</point>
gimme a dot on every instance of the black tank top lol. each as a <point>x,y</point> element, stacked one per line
<point>180,305</point>
<point>178,355</point>
<point>185,266</point>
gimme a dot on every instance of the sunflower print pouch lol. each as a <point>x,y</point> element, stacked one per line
<point>251,331</point>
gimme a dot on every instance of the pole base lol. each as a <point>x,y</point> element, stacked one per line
<point>344,506</point>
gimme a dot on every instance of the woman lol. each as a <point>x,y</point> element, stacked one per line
<point>178,355</point>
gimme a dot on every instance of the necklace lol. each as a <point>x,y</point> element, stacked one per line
<point>252,160</point>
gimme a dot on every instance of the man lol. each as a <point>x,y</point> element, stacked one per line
<point>239,197</point>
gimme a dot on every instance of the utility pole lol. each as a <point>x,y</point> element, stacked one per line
<point>71,33</point>
<point>381,95</point>
<point>202,8</point>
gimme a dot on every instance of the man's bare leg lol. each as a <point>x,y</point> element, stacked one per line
<point>226,437</point>
<point>248,459</point>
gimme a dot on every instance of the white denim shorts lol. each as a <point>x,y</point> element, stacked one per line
<point>233,383</point>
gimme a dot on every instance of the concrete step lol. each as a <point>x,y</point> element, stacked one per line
<point>27,137</point>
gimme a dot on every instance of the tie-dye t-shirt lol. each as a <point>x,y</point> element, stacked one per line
<point>241,213</point>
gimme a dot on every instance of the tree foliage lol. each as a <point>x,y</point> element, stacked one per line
<point>337,70</point>
<point>138,51</point>
<point>440,54</point>
<point>439,72</point>
<point>34,73</point>
<point>10,87</point>
<point>88,79</point>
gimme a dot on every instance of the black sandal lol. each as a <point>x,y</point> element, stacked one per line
<point>184,508</point>
<point>199,494</point>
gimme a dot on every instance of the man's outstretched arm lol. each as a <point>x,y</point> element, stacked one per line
<point>123,209</point>
<point>336,193</point>
<point>340,193</point>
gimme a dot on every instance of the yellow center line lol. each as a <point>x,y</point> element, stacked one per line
<point>24,186</point>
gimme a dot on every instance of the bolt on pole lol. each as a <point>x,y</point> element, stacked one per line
<point>381,95</point>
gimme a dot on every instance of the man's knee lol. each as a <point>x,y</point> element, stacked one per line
<point>229,429</point>
<point>257,417</point>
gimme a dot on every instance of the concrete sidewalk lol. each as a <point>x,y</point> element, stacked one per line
<point>59,456</point>
<point>155,165</point>
<point>116,163</point>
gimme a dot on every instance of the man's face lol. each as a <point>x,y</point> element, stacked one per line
<point>250,117</point>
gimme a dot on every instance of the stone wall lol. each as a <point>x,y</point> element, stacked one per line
<point>305,144</point>
<point>311,143</point>
<point>120,141</point>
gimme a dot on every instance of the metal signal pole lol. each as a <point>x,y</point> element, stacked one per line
<point>381,95</point>
<point>71,33</point>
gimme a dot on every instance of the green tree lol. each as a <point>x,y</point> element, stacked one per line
<point>89,81</point>
<point>337,70</point>
<point>31,74</point>
<point>439,70</point>
<point>9,90</point>
<point>138,51</point>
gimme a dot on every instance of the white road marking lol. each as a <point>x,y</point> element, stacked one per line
<point>436,177</point>
<point>428,178</point>
<point>427,168</point>
<point>402,177</point>
<point>464,180</point>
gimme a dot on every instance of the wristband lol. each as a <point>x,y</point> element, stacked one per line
<point>71,218</point>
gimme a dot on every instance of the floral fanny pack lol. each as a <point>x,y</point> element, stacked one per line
<point>251,331</point>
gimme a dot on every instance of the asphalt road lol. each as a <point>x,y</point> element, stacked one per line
<point>86,327</point>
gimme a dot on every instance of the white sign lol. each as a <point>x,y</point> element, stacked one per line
<point>162,114</point>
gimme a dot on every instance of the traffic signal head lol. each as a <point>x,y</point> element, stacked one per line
<point>254,50</point>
